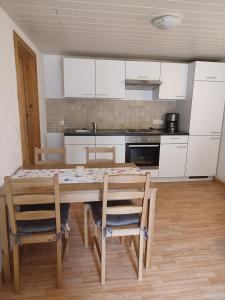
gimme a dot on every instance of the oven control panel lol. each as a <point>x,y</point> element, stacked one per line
<point>135,139</point>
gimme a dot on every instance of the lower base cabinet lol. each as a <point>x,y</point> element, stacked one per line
<point>76,154</point>
<point>120,153</point>
<point>202,155</point>
<point>172,160</point>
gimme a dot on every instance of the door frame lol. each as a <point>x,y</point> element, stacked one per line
<point>18,45</point>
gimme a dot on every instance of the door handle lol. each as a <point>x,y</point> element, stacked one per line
<point>143,146</point>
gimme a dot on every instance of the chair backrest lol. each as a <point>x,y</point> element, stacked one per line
<point>29,191</point>
<point>100,150</point>
<point>126,187</point>
<point>38,152</point>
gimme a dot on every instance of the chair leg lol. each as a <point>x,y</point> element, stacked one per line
<point>86,210</point>
<point>59,262</point>
<point>65,243</point>
<point>103,259</point>
<point>16,268</point>
<point>140,255</point>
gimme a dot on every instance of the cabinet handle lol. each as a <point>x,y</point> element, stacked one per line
<point>142,76</point>
<point>100,94</point>
<point>211,77</point>
<point>181,147</point>
<point>87,94</point>
<point>215,132</point>
<point>214,138</point>
<point>174,138</point>
<point>180,96</point>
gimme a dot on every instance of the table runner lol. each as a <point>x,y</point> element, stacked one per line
<point>91,175</point>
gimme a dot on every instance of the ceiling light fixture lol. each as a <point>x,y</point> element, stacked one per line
<point>166,22</point>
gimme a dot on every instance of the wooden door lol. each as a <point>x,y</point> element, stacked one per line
<point>28,99</point>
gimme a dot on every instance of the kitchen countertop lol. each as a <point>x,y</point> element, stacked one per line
<point>121,132</point>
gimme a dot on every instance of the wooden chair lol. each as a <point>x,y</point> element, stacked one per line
<point>38,152</point>
<point>117,215</point>
<point>35,216</point>
<point>100,150</point>
<point>90,151</point>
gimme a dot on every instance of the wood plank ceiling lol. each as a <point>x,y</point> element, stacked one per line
<point>122,28</point>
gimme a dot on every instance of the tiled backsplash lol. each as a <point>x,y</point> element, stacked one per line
<point>78,113</point>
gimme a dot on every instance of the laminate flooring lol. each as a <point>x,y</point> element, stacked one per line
<point>188,258</point>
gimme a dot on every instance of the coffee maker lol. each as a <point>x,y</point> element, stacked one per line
<point>171,121</point>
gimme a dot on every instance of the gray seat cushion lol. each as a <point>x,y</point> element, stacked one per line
<point>113,220</point>
<point>35,226</point>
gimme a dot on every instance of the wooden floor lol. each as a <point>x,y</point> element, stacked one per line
<point>188,255</point>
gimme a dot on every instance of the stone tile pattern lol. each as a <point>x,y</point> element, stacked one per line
<point>79,113</point>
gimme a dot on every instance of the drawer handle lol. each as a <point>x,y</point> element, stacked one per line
<point>180,96</point>
<point>215,132</point>
<point>87,94</point>
<point>214,138</point>
<point>211,77</point>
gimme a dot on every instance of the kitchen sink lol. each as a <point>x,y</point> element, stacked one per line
<point>83,130</point>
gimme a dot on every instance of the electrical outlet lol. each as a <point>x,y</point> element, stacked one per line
<point>61,122</point>
<point>157,122</point>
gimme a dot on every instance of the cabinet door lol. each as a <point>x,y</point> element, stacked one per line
<point>110,79</point>
<point>202,155</point>
<point>210,71</point>
<point>79,77</point>
<point>174,81</point>
<point>172,160</point>
<point>76,154</point>
<point>145,70</point>
<point>207,108</point>
<point>120,153</point>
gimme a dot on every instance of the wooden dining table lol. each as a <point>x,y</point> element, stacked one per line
<point>73,193</point>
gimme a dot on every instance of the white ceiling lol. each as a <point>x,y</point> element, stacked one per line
<point>122,28</point>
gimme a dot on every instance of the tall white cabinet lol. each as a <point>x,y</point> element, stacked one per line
<point>202,116</point>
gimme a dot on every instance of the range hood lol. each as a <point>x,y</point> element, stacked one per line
<point>136,84</point>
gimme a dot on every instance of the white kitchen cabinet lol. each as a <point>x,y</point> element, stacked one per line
<point>202,155</point>
<point>174,81</point>
<point>207,108</point>
<point>142,70</point>
<point>209,71</point>
<point>173,155</point>
<point>120,153</point>
<point>79,77</point>
<point>111,141</point>
<point>110,78</point>
<point>76,148</point>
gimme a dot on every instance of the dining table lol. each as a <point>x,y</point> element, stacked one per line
<point>73,189</point>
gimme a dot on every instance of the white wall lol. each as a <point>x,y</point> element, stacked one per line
<point>221,161</point>
<point>10,144</point>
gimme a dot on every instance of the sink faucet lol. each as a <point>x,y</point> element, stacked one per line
<point>94,125</point>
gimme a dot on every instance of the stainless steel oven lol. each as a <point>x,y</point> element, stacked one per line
<point>143,150</point>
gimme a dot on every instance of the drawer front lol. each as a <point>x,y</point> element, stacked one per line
<point>79,140</point>
<point>175,139</point>
<point>110,140</point>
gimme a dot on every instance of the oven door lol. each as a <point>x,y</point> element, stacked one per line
<point>146,155</point>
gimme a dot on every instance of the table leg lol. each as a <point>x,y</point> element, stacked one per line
<point>151,221</point>
<point>4,241</point>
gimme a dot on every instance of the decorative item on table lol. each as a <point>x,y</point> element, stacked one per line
<point>80,171</point>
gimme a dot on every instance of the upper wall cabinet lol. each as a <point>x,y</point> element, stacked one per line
<point>174,81</point>
<point>79,77</point>
<point>209,71</point>
<point>110,78</point>
<point>142,70</point>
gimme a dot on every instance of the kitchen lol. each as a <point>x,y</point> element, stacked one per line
<point>161,88</point>
<point>96,93</point>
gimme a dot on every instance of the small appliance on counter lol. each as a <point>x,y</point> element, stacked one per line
<point>171,121</point>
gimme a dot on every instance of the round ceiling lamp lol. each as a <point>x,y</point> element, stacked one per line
<point>166,22</point>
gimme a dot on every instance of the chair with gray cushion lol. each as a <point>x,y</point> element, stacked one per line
<point>36,216</point>
<point>122,212</point>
